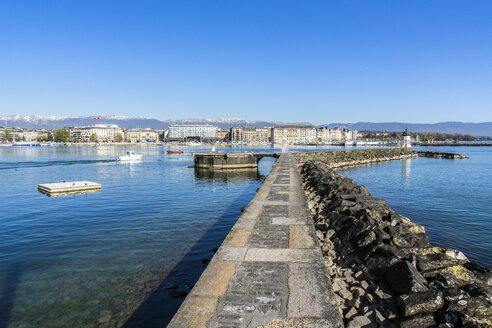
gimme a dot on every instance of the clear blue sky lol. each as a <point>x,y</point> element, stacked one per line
<point>315,61</point>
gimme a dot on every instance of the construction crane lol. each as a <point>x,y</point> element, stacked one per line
<point>99,117</point>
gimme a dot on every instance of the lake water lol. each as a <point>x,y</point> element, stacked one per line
<point>125,256</point>
<point>451,198</point>
<point>116,257</point>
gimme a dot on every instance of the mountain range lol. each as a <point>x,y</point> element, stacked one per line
<point>55,122</point>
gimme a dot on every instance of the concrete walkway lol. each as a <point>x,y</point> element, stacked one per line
<point>268,268</point>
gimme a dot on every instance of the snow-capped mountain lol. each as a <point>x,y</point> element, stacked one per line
<point>55,122</point>
<point>127,122</point>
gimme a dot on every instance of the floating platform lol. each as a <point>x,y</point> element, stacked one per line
<point>68,188</point>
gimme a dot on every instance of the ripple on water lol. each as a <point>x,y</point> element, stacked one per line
<point>97,259</point>
<point>449,197</point>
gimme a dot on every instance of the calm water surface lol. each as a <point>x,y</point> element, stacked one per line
<point>113,258</point>
<point>122,257</point>
<point>451,198</point>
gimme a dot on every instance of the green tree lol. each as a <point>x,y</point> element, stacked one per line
<point>7,135</point>
<point>118,137</point>
<point>43,137</point>
<point>49,137</point>
<point>61,135</point>
<point>93,138</point>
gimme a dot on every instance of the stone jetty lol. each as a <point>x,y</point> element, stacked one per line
<point>348,158</point>
<point>345,158</point>
<point>314,249</point>
<point>382,267</point>
<point>268,271</point>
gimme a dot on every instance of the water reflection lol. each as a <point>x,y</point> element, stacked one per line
<point>228,175</point>
<point>69,193</point>
<point>405,170</point>
<point>132,166</point>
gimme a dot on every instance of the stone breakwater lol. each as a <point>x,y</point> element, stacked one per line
<point>435,154</point>
<point>355,157</point>
<point>344,158</point>
<point>382,267</point>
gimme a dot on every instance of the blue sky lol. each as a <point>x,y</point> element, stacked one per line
<point>297,61</point>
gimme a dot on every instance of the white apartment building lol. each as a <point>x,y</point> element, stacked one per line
<point>141,135</point>
<point>103,132</point>
<point>293,134</point>
<point>32,135</point>
<point>336,134</point>
<point>181,132</point>
<point>325,134</point>
<point>352,135</point>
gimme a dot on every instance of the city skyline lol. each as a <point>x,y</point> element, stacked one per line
<point>317,62</point>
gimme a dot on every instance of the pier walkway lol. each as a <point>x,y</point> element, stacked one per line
<point>269,267</point>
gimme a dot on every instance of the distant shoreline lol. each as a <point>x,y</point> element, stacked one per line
<point>153,144</point>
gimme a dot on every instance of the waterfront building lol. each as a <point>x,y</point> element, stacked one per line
<point>294,134</point>
<point>250,135</point>
<point>32,135</point>
<point>162,134</point>
<point>141,135</point>
<point>223,134</point>
<point>236,134</point>
<point>201,132</point>
<point>256,135</point>
<point>18,134</point>
<point>336,134</point>
<point>103,132</point>
<point>325,134</point>
<point>355,135</point>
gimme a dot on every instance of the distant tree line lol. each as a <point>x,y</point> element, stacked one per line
<point>429,136</point>
<point>423,136</point>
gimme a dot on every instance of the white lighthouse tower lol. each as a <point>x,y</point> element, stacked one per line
<point>406,140</point>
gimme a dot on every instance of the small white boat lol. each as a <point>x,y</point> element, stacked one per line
<point>130,156</point>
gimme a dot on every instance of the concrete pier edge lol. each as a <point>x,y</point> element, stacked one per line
<point>269,267</point>
<point>272,270</point>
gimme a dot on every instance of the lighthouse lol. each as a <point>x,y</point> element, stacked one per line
<point>406,140</point>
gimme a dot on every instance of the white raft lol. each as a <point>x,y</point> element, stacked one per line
<point>62,188</point>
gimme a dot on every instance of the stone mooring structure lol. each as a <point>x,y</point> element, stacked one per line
<point>229,161</point>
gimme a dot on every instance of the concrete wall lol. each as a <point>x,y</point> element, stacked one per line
<point>221,161</point>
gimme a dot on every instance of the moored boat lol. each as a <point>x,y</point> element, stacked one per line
<point>129,156</point>
<point>26,144</point>
<point>174,151</point>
